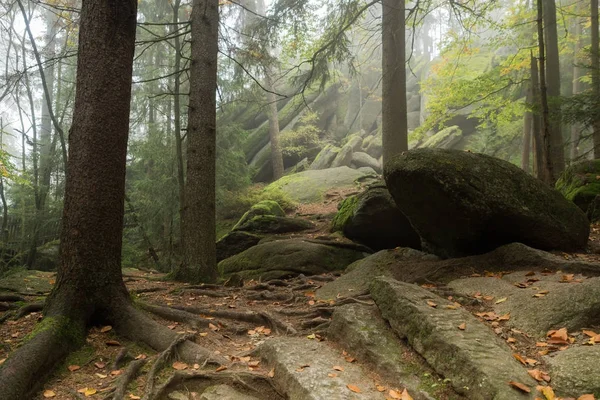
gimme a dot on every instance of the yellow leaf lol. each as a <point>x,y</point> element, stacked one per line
<point>547,392</point>
<point>405,395</point>
<point>502,300</point>
<point>431,304</point>
<point>271,373</point>
<point>106,328</point>
<point>179,366</point>
<point>49,393</point>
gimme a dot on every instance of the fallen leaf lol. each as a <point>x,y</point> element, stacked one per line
<point>49,393</point>
<point>380,388</point>
<point>530,273</point>
<point>332,375</point>
<point>405,395</point>
<point>591,334</point>
<point>520,386</point>
<point>106,328</point>
<point>394,394</point>
<point>520,359</point>
<point>547,392</point>
<point>511,340</point>
<point>586,397</point>
<point>559,336</point>
<point>221,368</point>
<point>504,317</point>
<point>462,326</point>
<point>541,344</point>
<point>502,300</point>
<point>87,392</point>
<point>179,366</point>
<point>338,368</point>
<point>311,336</point>
<point>2,361</point>
<point>271,373</point>
<point>73,368</point>
<point>535,374</point>
<point>101,376</point>
<point>99,365</point>
<point>354,388</point>
<point>116,372</point>
<point>112,343</point>
<point>212,327</point>
<point>134,397</point>
<point>431,304</point>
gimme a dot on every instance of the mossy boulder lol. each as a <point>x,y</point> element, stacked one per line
<point>274,224</point>
<point>374,146</point>
<point>264,207</point>
<point>325,157</point>
<point>580,183</point>
<point>447,138</point>
<point>462,203</point>
<point>234,243</point>
<point>343,158</point>
<point>372,218</point>
<point>283,258</point>
<point>312,185</point>
<point>360,159</point>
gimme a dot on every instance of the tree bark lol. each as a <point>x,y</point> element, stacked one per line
<point>394,114</point>
<point>538,157</point>
<point>556,150</point>
<point>595,61</point>
<point>199,225</point>
<point>276,155</point>
<point>547,171</point>
<point>575,128</point>
<point>527,124</point>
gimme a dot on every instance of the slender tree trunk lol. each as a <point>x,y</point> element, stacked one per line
<point>547,172</point>
<point>575,128</point>
<point>177,118</point>
<point>595,61</point>
<point>527,125</point>
<point>199,223</point>
<point>552,82</point>
<point>3,234</point>
<point>394,114</point>
<point>276,155</point>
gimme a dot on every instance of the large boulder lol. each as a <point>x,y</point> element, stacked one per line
<point>274,224</point>
<point>312,185</point>
<point>343,158</point>
<point>447,138</point>
<point>325,157</point>
<point>234,243</point>
<point>282,258</point>
<point>264,207</point>
<point>372,218</point>
<point>580,183</point>
<point>360,159</point>
<point>374,146</point>
<point>462,203</point>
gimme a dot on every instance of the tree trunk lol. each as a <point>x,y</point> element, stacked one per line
<point>575,128</point>
<point>199,225</point>
<point>537,141</point>
<point>595,61</point>
<point>552,82</point>
<point>394,115</point>
<point>527,124</point>
<point>276,155</point>
<point>547,171</point>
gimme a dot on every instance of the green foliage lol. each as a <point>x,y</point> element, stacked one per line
<point>237,203</point>
<point>345,212</point>
<point>297,143</point>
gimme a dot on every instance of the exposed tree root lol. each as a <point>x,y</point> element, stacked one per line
<point>256,384</point>
<point>252,317</point>
<point>207,293</point>
<point>203,286</point>
<point>176,315</point>
<point>265,295</point>
<point>261,286</point>
<point>278,282</point>
<point>28,309</point>
<point>120,358</point>
<point>160,362</point>
<point>124,379</point>
<point>11,297</point>
<point>75,395</point>
<point>147,290</point>
<point>313,323</point>
<point>306,286</point>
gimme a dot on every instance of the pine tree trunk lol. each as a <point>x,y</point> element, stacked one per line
<point>199,223</point>
<point>552,92</point>
<point>575,128</point>
<point>276,155</point>
<point>538,157</point>
<point>595,61</point>
<point>527,124</point>
<point>394,114</point>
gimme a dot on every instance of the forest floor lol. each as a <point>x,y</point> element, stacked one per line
<point>231,322</point>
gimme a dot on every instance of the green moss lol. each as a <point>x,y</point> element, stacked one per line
<point>345,212</point>
<point>580,183</point>
<point>80,357</point>
<point>66,328</point>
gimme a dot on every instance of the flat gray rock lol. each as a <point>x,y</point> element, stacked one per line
<point>570,304</point>
<point>478,364</point>
<point>222,392</point>
<point>361,331</point>
<point>359,274</point>
<point>302,369</point>
<point>574,371</point>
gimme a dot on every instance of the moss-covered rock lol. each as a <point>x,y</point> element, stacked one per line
<point>580,183</point>
<point>372,218</point>
<point>463,203</point>
<point>325,157</point>
<point>234,243</point>
<point>281,258</point>
<point>264,207</point>
<point>274,224</point>
<point>343,158</point>
<point>310,186</point>
<point>447,138</point>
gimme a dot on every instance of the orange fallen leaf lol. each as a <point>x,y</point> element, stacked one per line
<point>586,397</point>
<point>504,317</point>
<point>338,368</point>
<point>332,375</point>
<point>431,304</point>
<point>535,374</point>
<point>271,373</point>
<point>179,366</point>
<point>49,393</point>
<point>547,392</point>
<point>354,388</point>
<point>112,343</point>
<point>519,358</point>
<point>134,397</point>
<point>99,365</point>
<point>221,368</point>
<point>511,340</point>
<point>394,394</point>
<point>520,386</point>
<point>380,388</point>
<point>106,328</point>
<point>462,326</point>
<point>73,368</point>
<point>591,334</point>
